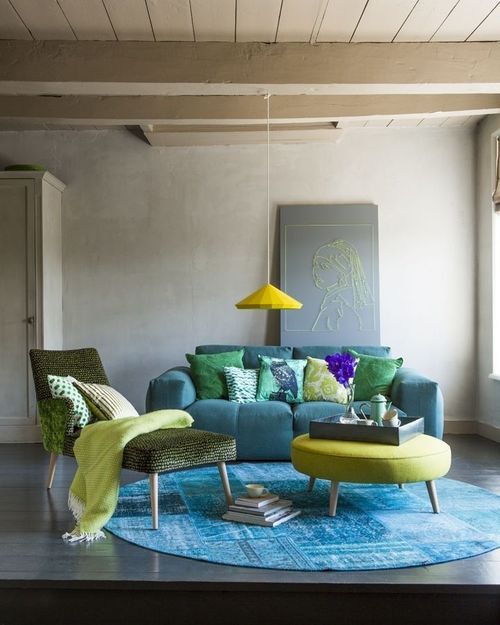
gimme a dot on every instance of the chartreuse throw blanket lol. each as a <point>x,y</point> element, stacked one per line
<point>93,494</point>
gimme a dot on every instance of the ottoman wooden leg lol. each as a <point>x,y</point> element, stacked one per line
<point>153,492</point>
<point>311,483</point>
<point>225,482</point>
<point>334,493</point>
<point>431,489</point>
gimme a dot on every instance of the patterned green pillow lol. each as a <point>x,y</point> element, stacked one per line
<point>320,385</point>
<point>63,387</point>
<point>241,384</point>
<point>281,380</point>
<point>207,371</point>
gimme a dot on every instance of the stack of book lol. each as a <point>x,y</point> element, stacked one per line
<point>267,510</point>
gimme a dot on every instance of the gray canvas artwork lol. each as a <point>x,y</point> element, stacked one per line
<point>329,261</point>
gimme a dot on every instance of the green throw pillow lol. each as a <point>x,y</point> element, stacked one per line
<point>207,371</point>
<point>241,384</point>
<point>281,380</point>
<point>63,387</point>
<point>374,375</point>
<point>320,384</point>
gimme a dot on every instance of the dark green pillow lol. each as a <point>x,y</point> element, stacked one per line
<point>374,374</point>
<point>207,371</point>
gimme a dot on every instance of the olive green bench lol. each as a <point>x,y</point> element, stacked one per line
<point>421,459</point>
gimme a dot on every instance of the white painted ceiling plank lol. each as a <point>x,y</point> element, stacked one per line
<point>351,123</point>
<point>432,121</point>
<point>257,20</point>
<point>171,20</point>
<point>456,121</point>
<point>405,122</point>
<point>473,120</point>
<point>44,18</point>
<point>11,25</point>
<point>464,18</point>
<point>378,123</point>
<point>298,19</point>
<point>340,20</point>
<point>88,19</point>
<point>213,20</point>
<point>382,19</point>
<point>425,19</point>
<point>489,30</point>
<point>130,19</point>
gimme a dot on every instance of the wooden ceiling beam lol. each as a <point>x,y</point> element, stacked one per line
<point>221,68</point>
<point>195,110</point>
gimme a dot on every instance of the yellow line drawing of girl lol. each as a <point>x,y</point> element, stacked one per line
<point>337,269</point>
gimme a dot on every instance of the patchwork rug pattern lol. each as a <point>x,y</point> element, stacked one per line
<point>376,527</point>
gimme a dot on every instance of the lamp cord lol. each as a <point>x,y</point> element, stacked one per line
<point>268,97</point>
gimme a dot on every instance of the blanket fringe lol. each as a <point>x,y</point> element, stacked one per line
<point>76,505</point>
<point>77,536</point>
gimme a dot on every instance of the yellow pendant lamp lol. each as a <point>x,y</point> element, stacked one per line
<point>268,297</point>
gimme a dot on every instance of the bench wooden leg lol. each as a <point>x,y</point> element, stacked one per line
<point>153,491</point>
<point>225,482</point>
<point>334,493</point>
<point>52,469</point>
<point>311,483</point>
<point>431,489</point>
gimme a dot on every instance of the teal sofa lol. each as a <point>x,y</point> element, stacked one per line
<point>264,430</point>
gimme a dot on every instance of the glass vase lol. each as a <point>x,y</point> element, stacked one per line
<point>350,415</point>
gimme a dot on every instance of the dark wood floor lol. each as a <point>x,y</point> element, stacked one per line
<point>44,580</point>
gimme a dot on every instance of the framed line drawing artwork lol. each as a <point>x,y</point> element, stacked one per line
<point>329,262</point>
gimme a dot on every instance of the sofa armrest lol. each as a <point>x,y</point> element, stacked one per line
<point>419,396</point>
<point>173,389</point>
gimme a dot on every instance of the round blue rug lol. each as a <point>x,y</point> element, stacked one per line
<point>376,527</point>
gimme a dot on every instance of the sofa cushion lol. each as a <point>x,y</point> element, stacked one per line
<point>252,352</point>
<point>321,351</point>
<point>207,371</point>
<point>310,411</point>
<point>315,351</point>
<point>217,349</point>
<point>215,415</point>
<point>265,430</point>
<point>281,380</point>
<point>382,351</point>
<point>374,375</point>
<point>241,384</point>
<point>320,384</point>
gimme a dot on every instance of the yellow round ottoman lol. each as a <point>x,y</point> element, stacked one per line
<point>421,459</point>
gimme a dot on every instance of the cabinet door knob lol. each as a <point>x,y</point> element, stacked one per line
<point>30,320</point>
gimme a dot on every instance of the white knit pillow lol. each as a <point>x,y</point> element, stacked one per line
<point>109,401</point>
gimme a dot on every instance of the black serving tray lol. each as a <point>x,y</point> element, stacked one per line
<point>331,428</point>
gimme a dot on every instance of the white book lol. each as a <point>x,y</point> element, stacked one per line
<point>256,502</point>
<point>264,510</point>
<point>252,519</point>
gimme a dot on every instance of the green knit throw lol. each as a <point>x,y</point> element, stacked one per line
<point>93,494</point>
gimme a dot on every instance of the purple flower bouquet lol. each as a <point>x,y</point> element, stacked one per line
<point>343,368</point>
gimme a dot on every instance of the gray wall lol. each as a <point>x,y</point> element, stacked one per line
<point>160,243</point>
<point>488,396</point>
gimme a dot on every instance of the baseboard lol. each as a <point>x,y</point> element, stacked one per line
<point>489,431</point>
<point>460,427</point>
<point>20,434</point>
